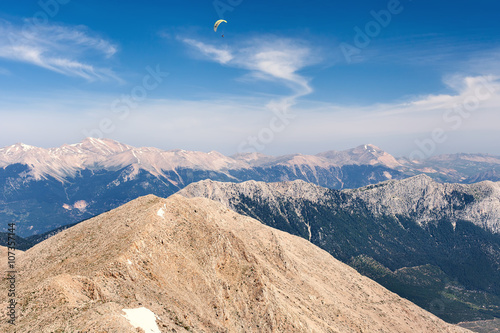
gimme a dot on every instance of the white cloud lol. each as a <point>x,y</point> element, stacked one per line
<point>56,48</point>
<point>267,57</point>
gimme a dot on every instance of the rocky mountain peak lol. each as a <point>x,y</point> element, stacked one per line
<point>367,148</point>
<point>102,146</point>
<point>21,146</point>
<point>364,154</point>
<point>16,150</point>
<point>422,180</point>
<point>194,265</point>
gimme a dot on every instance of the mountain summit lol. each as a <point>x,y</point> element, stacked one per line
<point>193,265</point>
<point>365,154</point>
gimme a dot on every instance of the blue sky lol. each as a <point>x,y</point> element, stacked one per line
<point>415,78</point>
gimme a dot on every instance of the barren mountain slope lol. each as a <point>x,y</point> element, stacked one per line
<point>412,224</point>
<point>199,267</point>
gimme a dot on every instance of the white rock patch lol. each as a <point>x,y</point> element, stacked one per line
<point>142,318</point>
<point>161,213</point>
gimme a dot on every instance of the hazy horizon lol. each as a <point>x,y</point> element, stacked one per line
<point>286,77</point>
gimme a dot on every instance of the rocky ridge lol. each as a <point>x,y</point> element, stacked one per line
<point>426,200</point>
<point>228,193</point>
<point>419,197</point>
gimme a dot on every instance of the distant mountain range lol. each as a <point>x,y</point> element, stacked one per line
<point>192,265</point>
<point>43,189</point>
<point>435,244</point>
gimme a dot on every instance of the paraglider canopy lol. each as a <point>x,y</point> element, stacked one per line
<point>216,25</point>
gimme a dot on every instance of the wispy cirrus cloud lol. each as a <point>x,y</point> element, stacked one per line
<point>220,55</point>
<point>268,58</point>
<point>57,48</point>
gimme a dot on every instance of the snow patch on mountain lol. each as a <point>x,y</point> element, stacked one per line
<point>142,318</point>
<point>161,212</point>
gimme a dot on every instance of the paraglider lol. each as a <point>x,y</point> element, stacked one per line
<point>216,25</point>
